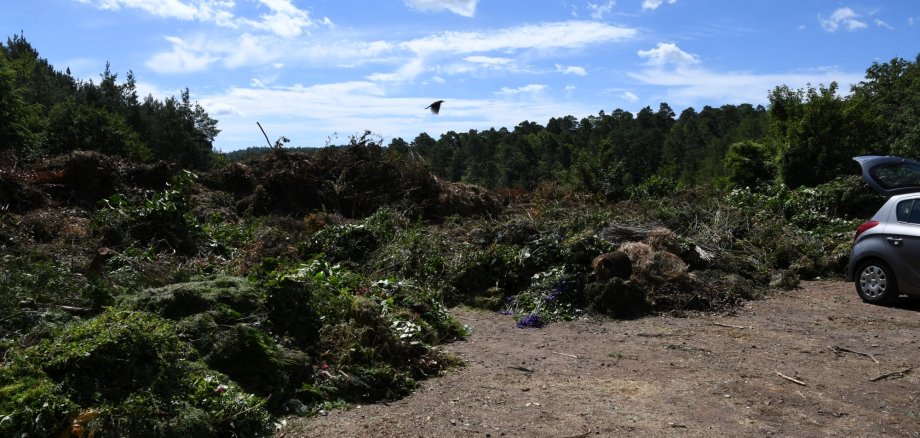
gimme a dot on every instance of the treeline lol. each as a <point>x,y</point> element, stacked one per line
<point>605,153</point>
<point>46,111</point>
<point>805,137</point>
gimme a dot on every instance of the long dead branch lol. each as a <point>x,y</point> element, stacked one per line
<point>840,350</point>
<point>898,373</point>
<point>730,325</point>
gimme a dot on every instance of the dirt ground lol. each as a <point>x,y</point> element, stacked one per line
<point>799,363</point>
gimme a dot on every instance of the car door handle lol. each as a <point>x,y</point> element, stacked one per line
<point>895,241</point>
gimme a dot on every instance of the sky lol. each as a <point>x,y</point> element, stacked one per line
<point>321,71</point>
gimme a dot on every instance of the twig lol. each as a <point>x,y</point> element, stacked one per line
<point>838,350</point>
<point>567,355</point>
<point>899,373</point>
<point>74,309</point>
<point>526,370</point>
<point>581,435</point>
<point>793,380</point>
<point>730,326</point>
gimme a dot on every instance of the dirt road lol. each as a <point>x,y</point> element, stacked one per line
<point>809,362</point>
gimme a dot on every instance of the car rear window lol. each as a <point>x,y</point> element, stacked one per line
<point>894,175</point>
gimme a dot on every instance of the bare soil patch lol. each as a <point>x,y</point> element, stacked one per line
<point>663,376</point>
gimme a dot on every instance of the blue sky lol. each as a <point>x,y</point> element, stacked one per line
<point>328,69</point>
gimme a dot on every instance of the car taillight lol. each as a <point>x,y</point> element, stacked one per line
<point>862,228</point>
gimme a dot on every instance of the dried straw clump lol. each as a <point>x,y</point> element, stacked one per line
<point>655,265</point>
<point>665,266</point>
<point>639,254</point>
<point>663,239</point>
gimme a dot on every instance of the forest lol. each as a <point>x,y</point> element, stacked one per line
<point>153,286</point>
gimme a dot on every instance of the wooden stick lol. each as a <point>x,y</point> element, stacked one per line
<point>899,373</point>
<point>266,136</point>
<point>729,325</point>
<point>581,435</point>
<point>796,381</point>
<point>837,350</point>
<point>567,355</point>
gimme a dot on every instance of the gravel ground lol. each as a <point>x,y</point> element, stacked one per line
<point>815,361</point>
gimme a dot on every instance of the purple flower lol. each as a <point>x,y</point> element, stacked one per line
<point>552,296</point>
<point>530,321</point>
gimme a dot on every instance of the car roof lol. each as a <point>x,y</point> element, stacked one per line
<point>890,175</point>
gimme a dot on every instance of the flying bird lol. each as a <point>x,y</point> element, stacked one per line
<point>435,106</point>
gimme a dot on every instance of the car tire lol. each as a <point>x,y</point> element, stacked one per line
<point>875,282</point>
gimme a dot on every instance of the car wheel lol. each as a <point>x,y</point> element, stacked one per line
<point>875,282</point>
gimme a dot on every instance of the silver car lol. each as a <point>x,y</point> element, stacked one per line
<point>885,260</point>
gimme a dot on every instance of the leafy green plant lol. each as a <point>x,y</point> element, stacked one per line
<point>162,219</point>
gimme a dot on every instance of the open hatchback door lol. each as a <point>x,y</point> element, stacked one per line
<point>890,175</point>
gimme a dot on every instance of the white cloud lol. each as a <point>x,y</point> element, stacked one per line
<point>842,17</point>
<point>694,85</point>
<point>911,21</point>
<point>530,88</point>
<point>466,8</point>
<point>537,38</point>
<point>202,10</point>
<point>182,59</point>
<point>654,4</point>
<point>598,10</point>
<point>629,96</point>
<point>488,60</point>
<point>568,34</point>
<point>571,70</point>
<point>284,18</point>
<point>246,50</point>
<point>880,23</point>
<point>408,71</point>
<point>668,53</point>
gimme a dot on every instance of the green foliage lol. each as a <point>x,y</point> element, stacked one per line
<point>748,164</point>
<point>378,334</point>
<point>47,284</point>
<point>15,115</point>
<point>655,186</point>
<point>889,98</point>
<point>132,369</point>
<point>819,141</point>
<point>31,404</point>
<point>230,299</point>
<point>43,110</point>
<point>162,220</point>
<point>355,242</point>
<point>73,126</point>
<point>551,296</point>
